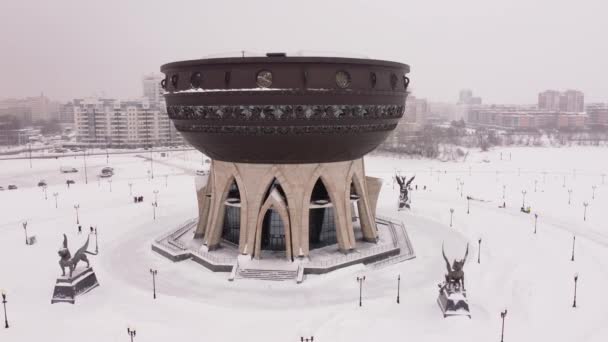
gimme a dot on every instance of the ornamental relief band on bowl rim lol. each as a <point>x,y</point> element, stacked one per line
<point>285,130</point>
<point>284,112</point>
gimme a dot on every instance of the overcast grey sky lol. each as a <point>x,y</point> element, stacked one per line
<point>506,51</point>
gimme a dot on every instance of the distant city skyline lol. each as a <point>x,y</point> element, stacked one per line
<point>505,52</point>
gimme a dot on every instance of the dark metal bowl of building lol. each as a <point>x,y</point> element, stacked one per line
<point>280,109</point>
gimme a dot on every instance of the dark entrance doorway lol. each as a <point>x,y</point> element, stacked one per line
<point>232,215</point>
<point>273,232</point>
<point>321,220</point>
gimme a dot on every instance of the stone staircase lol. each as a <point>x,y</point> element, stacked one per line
<point>260,274</point>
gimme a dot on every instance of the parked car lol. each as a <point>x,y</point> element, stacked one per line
<point>106,174</point>
<point>42,182</point>
<point>68,169</point>
<point>70,181</point>
<point>12,187</point>
<point>202,172</point>
<point>1,188</point>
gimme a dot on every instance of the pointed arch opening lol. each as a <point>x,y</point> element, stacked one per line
<point>273,231</point>
<point>321,221</point>
<point>231,228</point>
<point>274,225</point>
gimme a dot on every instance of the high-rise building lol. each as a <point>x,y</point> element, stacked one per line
<point>123,123</point>
<point>465,96</point>
<point>465,101</point>
<point>598,115</point>
<point>30,109</point>
<point>572,101</point>
<point>152,88</point>
<point>549,100</point>
<point>66,113</point>
<point>568,101</point>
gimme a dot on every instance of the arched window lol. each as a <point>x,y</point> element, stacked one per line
<point>321,220</point>
<point>232,215</point>
<point>274,237</point>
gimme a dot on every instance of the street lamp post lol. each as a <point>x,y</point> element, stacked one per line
<point>457,184</point>
<point>44,189</point>
<point>398,287</point>
<point>25,229</point>
<point>603,176</point>
<point>504,188</point>
<point>468,204</point>
<point>360,280</point>
<point>523,203</point>
<point>30,150</point>
<point>461,187</point>
<point>479,251</point>
<point>110,182</point>
<point>166,180</point>
<point>154,206</point>
<point>131,332</point>
<point>155,195</point>
<point>94,231</point>
<point>593,192</point>
<point>451,214</point>
<point>575,285</point>
<point>569,195</point>
<point>77,206</point>
<point>573,246</point>
<point>107,153</point>
<point>585,204</point>
<point>130,189</point>
<point>154,273</point>
<point>84,158</point>
<point>535,220</point>
<point>502,334</point>
<point>55,194</point>
<point>4,304</point>
<point>311,339</point>
<point>535,183</point>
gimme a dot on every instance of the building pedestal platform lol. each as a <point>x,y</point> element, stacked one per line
<point>67,289</point>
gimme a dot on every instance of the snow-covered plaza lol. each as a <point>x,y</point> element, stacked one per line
<point>529,274</point>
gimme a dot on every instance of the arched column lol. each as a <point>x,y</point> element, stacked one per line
<point>324,173</point>
<point>257,178</point>
<point>366,218</point>
<point>223,175</point>
<point>280,207</point>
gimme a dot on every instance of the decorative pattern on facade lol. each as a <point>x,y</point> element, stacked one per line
<point>285,130</point>
<point>285,112</point>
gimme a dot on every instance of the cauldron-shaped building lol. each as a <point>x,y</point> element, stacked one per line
<point>286,136</point>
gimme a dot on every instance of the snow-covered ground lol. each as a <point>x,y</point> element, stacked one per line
<point>529,274</point>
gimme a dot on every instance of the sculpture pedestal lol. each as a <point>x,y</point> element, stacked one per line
<point>83,280</point>
<point>453,303</point>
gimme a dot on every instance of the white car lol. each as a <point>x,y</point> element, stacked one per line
<point>202,172</point>
<point>68,169</point>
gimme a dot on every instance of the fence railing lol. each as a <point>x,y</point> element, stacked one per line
<point>184,226</point>
<point>350,257</point>
<point>212,258</point>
